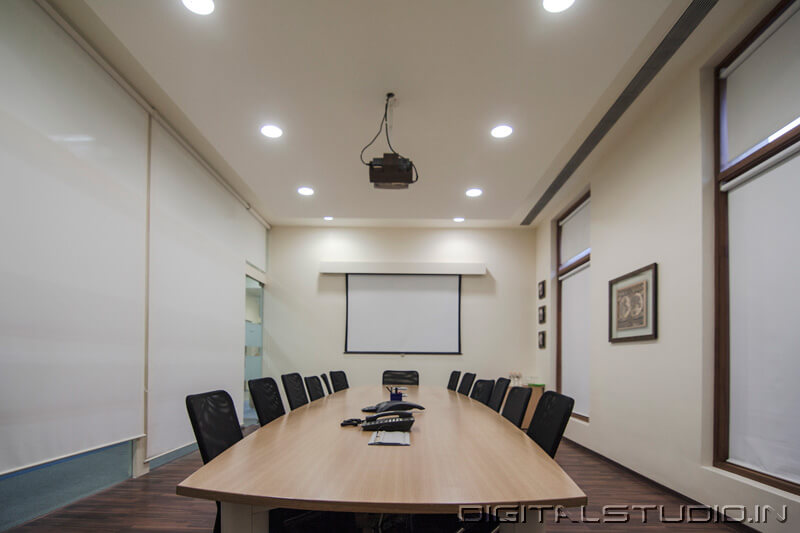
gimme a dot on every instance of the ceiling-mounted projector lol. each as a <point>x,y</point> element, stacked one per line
<point>392,171</point>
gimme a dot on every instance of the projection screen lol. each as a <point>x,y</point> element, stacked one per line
<point>403,313</point>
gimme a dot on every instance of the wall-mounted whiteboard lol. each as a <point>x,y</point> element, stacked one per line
<point>403,313</point>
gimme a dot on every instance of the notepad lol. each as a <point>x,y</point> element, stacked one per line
<point>391,438</point>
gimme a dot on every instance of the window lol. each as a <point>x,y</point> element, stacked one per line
<point>573,365</point>
<point>757,424</point>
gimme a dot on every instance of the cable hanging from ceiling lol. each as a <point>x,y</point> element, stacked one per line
<point>378,163</point>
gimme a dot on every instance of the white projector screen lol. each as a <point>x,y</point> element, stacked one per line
<point>403,313</point>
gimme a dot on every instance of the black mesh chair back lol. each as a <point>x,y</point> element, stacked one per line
<point>517,404</point>
<point>466,383</point>
<point>499,393</point>
<point>339,380</point>
<point>453,383</point>
<point>215,425</point>
<point>266,399</point>
<point>326,382</point>
<point>482,391</point>
<point>214,422</point>
<point>550,420</point>
<point>314,386</point>
<point>295,392</point>
<point>400,377</point>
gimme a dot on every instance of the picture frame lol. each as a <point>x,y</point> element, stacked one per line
<point>541,338</point>
<point>542,316</point>
<point>633,306</point>
<point>541,289</point>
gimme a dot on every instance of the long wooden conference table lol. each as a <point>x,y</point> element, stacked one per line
<point>462,453</point>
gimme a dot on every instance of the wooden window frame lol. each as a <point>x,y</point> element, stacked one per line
<point>561,269</point>
<point>721,265</point>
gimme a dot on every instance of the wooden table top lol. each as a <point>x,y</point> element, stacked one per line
<point>461,453</point>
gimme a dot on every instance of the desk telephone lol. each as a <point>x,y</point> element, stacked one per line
<point>389,421</point>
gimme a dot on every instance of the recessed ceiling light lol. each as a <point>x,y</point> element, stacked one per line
<point>501,131</point>
<point>328,218</point>
<point>305,191</point>
<point>557,6</point>
<point>458,219</point>
<point>272,131</point>
<point>474,193</point>
<point>201,7</point>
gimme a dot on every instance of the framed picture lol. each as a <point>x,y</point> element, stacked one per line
<point>633,306</point>
<point>541,289</point>
<point>542,316</point>
<point>541,339</point>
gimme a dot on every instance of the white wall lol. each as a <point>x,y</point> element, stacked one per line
<point>651,183</point>
<point>305,311</point>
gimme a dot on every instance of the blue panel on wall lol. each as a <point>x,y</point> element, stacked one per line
<point>35,491</point>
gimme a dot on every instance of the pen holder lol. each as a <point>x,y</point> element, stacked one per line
<point>396,396</point>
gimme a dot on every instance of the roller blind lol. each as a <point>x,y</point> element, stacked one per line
<point>403,313</point>
<point>575,233</point>
<point>73,167</point>
<point>761,94</point>
<point>200,241</point>
<point>575,328</point>
<point>764,338</point>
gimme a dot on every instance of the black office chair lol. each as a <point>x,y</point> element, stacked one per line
<point>550,420</point>
<point>326,382</point>
<point>466,383</point>
<point>453,383</point>
<point>516,404</point>
<point>499,393</point>
<point>339,380</point>
<point>266,399</point>
<point>314,386</point>
<point>215,425</point>
<point>400,377</point>
<point>482,391</point>
<point>295,392</point>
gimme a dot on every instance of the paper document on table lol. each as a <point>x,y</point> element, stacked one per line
<point>391,438</point>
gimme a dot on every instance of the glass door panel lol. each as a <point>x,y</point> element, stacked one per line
<point>253,342</point>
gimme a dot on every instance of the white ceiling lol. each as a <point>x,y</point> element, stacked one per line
<point>320,69</point>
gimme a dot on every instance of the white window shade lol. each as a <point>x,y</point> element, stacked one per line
<point>200,241</point>
<point>761,93</point>
<point>403,313</point>
<point>575,233</point>
<point>73,168</point>
<point>575,329</point>
<point>764,338</point>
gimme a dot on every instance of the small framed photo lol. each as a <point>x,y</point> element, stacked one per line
<point>541,289</point>
<point>541,339</point>
<point>633,306</point>
<point>542,316</point>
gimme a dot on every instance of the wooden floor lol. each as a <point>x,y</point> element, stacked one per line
<point>149,504</point>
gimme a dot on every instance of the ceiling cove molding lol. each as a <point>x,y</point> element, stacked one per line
<point>680,31</point>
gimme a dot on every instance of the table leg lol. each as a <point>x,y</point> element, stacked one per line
<point>237,518</point>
